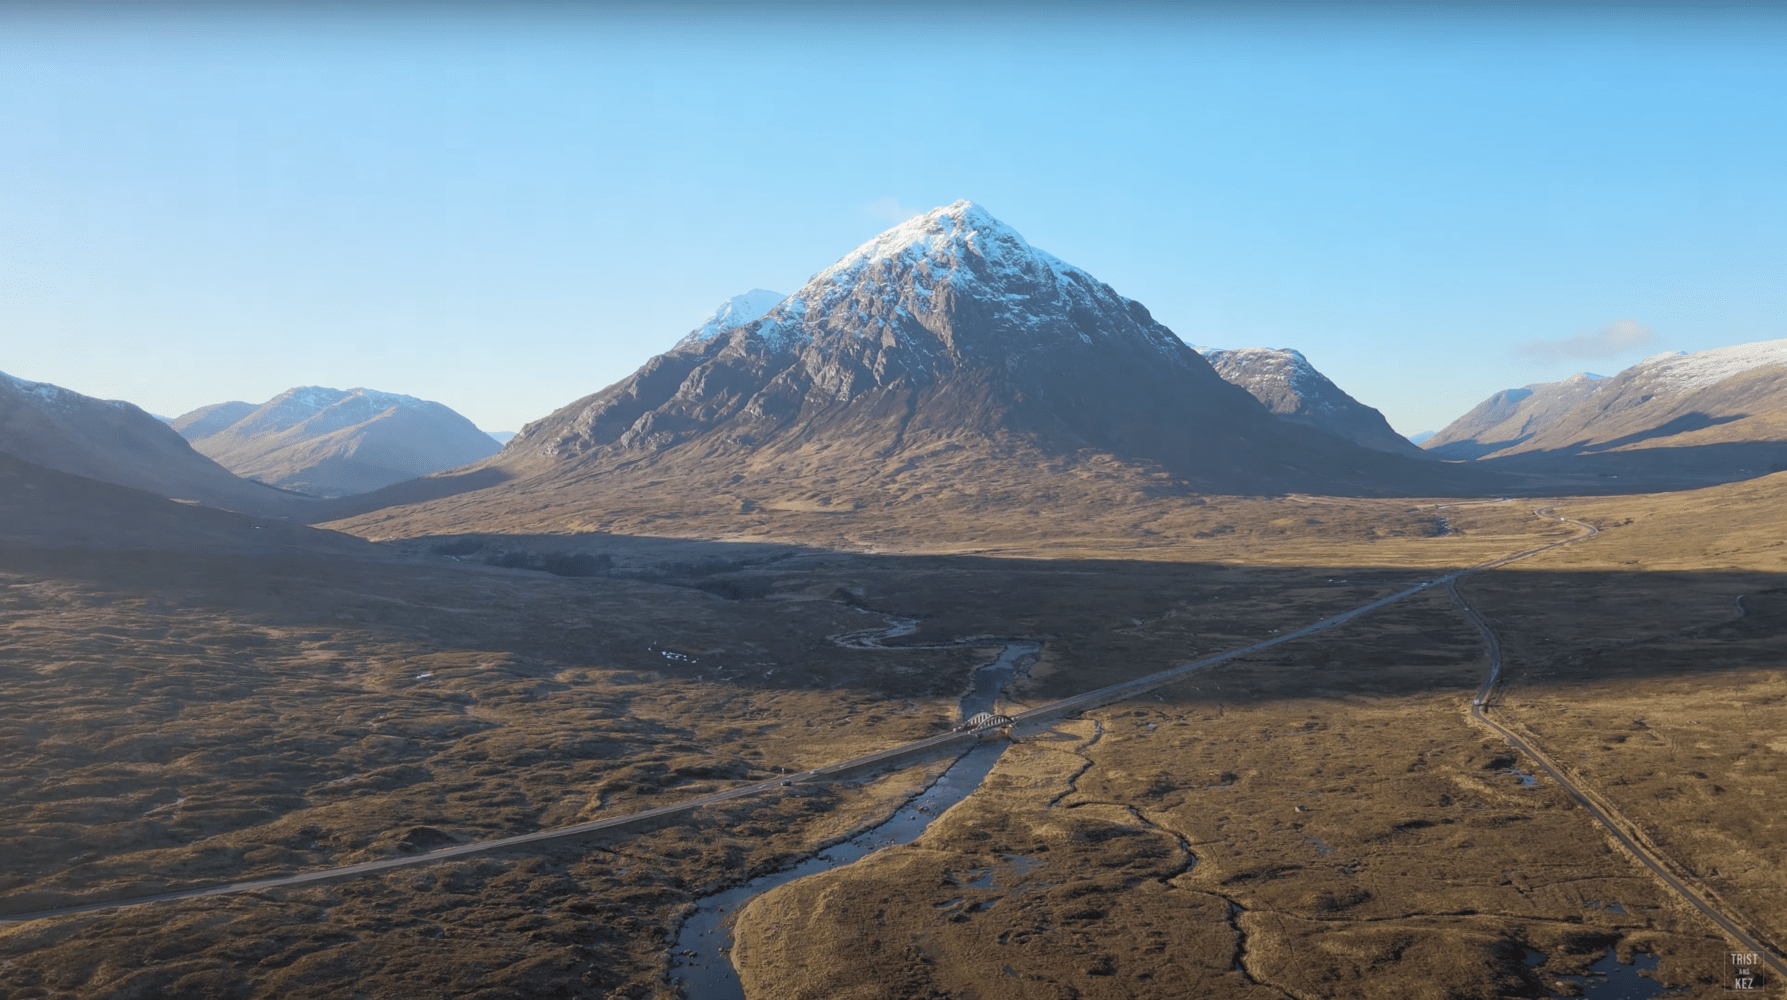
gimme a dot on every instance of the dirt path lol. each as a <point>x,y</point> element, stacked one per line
<point>1623,831</point>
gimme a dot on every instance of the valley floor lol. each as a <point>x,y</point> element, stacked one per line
<point>1321,819</point>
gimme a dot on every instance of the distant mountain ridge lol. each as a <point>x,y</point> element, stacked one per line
<point>208,420</point>
<point>1512,417</point>
<point>116,442</point>
<point>1289,386</point>
<point>333,442</point>
<point>1733,399</point>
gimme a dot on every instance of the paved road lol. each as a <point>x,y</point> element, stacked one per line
<point>643,818</point>
<point>1616,825</point>
<point>918,749</point>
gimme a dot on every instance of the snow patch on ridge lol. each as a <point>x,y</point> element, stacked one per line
<point>323,409</point>
<point>735,311</point>
<point>1680,370</point>
<point>1255,368</point>
<point>49,394</point>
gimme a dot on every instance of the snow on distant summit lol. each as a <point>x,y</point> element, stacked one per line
<point>320,410</point>
<point>735,311</point>
<point>48,394</point>
<point>331,442</point>
<point>1730,396</point>
<point>1679,370</point>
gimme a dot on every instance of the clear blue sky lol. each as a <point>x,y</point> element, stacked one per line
<point>504,211</point>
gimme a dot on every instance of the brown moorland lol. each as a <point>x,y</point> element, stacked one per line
<point>142,670</point>
<point>195,696</point>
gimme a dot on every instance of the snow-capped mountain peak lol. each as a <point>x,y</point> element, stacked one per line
<point>898,287</point>
<point>736,311</point>
<point>950,236</point>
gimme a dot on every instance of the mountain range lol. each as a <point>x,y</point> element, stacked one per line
<point>333,442</point>
<point>1719,410</point>
<point>945,365</point>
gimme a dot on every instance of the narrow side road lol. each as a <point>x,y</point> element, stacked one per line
<point>1623,831</point>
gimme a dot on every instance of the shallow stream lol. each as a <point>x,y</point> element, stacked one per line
<point>701,964</point>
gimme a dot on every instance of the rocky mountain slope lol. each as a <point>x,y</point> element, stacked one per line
<point>1725,407</point>
<point>1288,385</point>
<point>115,442</point>
<point>331,443</point>
<point>1511,417</point>
<point>946,358</point>
<point>208,420</point>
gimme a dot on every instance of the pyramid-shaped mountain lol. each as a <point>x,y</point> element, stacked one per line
<point>943,351</point>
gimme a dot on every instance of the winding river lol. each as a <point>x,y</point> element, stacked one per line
<point>701,965</point>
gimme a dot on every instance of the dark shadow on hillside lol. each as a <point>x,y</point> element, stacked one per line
<point>1470,451</point>
<point>409,491</point>
<point>1680,425</point>
<point>1686,423</point>
<point>1648,470</point>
